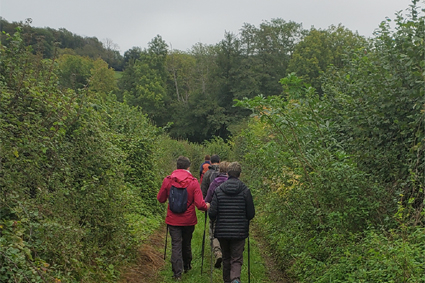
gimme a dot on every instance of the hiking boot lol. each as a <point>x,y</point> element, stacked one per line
<point>187,268</point>
<point>177,278</point>
<point>218,261</point>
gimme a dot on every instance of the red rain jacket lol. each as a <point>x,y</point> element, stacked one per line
<point>181,178</point>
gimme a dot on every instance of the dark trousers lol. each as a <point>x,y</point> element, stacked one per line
<point>181,249</point>
<point>232,250</point>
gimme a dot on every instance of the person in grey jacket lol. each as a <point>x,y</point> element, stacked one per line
<point>210,175</point>
<point>232,208</point>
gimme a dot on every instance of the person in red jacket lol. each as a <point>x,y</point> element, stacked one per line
<point>182,225</point>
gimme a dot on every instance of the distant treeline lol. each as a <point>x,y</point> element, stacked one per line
<point>191,93</point>
<point>46,39</point>
<point>195,90</point>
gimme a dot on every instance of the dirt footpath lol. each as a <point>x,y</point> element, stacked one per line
<point>274,273</point>
<point>150,260</point>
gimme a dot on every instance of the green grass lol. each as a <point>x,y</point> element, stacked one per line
<point>118,75</point>
<point>258,269</point>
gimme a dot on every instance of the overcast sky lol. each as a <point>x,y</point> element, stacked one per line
<point>183,23</point>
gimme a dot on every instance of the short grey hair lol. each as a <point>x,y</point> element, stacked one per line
<point>234,169</point>
<point>222,167</point>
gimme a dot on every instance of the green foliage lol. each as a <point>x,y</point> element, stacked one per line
<point>77,178</point>
<point>320,49</point>
<point>220,147</point>
<point>377,101</point>
<point>143,80</point>
<point>194,90</point>
<point>75,71</point>
<point>78,72</point>
<point>339,177</point>
<point>50,42</point>
<point>378,257</point>
<point>137,138</point>
<point>306,179</point>
<point>169,150</point>
<point>102,79</point>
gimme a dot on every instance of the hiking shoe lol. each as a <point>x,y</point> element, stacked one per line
<point>218,261</point>
<point>177,278</point>
<point>187,268</point>
<point>236,281</point>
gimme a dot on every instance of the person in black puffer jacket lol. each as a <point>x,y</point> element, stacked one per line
<point>232,208</point>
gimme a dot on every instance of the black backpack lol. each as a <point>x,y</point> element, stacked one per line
<point>178,199</point>
<point>214,175</point>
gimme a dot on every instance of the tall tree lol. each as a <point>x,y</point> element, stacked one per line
<point>275,43</point>
<point>180,67</point>
<point>190,103</point>
<point>320,49</point>
<point>112,55</point>
<point>144,79</point>
<point>74,71</point>
<point>205,66</point>
<point>131,55</point>
<point>102,79</point>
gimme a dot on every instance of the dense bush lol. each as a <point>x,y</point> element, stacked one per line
<point>339,177</point>
<point>377,105</point>
<point>77,176</point>
<point>218,146</point>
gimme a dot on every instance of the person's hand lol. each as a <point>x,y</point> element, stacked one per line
<point>208,205</point>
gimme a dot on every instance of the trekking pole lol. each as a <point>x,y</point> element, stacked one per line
<point>212,252</point>
<point>203,243</point>
<point>249,263</point>
<point>165,248</point>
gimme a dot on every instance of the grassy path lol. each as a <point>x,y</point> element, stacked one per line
<point>258,267</point>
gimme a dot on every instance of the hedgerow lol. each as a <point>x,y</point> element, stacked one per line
<point>340,176</point>
<point>78,178</point>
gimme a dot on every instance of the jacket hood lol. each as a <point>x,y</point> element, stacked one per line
<point>181,178</point>
<point>220,179</point>
<point>232,186</point>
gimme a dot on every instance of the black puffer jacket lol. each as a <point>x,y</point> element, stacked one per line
<point>232,208</point>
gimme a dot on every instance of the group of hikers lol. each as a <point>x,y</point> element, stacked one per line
<point>229,205</point>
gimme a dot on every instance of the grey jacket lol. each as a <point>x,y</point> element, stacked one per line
<point>206,180</point>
